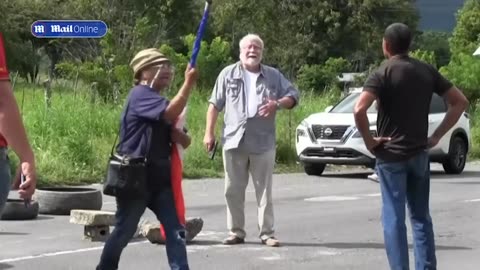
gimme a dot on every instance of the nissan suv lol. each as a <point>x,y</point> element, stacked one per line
<point>331,137</point>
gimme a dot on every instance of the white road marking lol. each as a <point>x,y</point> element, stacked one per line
<point>372,195</point>
<point>327,253</point>
<point>341,198</point>
<point>474,200</point>
<point>53,254</point>
<point>211,234</point>
<point>274,257</point>
<point>331,199</point>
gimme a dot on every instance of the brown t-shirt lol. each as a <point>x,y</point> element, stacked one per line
<point>404,87</point>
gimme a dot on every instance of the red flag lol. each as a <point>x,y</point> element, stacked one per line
<point>3,61</point>
<point>177,175</point>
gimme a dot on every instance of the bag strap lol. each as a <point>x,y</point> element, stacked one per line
<point>119,127</point>
<point>149,138</point>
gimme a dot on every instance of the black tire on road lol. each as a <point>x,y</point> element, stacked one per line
<point>61,200</point>
<point>314,168</point>
<point>457,156</point>
<point>15,209</point>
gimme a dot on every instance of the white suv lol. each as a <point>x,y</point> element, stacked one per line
<point>332,138</point>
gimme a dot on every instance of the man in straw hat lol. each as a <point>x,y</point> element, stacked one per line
<point>147,129</point>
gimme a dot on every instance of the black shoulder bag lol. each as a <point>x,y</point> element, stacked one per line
<point>126,176</point>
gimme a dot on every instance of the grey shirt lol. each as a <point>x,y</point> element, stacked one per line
<point>257,134</point>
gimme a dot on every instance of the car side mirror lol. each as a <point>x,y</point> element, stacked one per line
<point>328,109</point>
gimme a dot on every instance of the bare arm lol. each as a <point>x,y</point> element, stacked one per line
<point>209,138</point>
<point>212,115</point>
<point>287,102</point>
<point>177,104</point>
<point>11,126</point>
<point>179,136</point>
<point>364,102</point>
<point>457,104</point>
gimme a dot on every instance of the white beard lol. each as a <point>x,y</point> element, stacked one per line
<point>251,61</point>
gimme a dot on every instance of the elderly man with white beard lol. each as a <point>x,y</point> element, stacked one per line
<point>250,93</point>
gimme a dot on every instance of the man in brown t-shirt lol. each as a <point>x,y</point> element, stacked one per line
<point>404,86</point>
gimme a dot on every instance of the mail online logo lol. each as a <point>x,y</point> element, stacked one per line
<point>69,29</point>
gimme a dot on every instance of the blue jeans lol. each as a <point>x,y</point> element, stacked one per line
<point>4,178</point>
<point>407,182</point>
<point>128,215</point>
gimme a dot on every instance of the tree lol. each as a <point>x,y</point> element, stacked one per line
<point>436,42</point>
<point>426,56</point>
<point>466,35</point>
<point>311,31</point>
<point>463,68</point>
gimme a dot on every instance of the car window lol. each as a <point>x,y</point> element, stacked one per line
<point>438,104</point>
<point>347,104</point>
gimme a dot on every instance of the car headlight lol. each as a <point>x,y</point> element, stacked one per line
<point>301,133</point>
<point>302,130</point>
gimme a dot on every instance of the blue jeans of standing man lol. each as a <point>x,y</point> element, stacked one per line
<point>407,182</point>
<point>128,215</point>
<point>4,178</point>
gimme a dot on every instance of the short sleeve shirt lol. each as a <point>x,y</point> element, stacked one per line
<point>404,87</point>
<point>145,133</point>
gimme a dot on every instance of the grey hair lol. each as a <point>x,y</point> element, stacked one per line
<point>250,37</point>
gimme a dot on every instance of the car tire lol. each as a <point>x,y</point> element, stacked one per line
<point>455,162</point>
<point>15,209</point>
<point>314,169</point>
<point>61,200</point>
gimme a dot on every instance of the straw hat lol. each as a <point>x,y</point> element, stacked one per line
<point>145,58</point>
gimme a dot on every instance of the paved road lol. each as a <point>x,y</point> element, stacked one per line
<point>329,222</point>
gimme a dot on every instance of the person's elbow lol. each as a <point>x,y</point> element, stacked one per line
<point>359,110</point>
<point>464,103</point>
<point>457,99</point>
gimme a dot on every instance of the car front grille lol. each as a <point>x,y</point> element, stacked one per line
<point>329,132</point>
<point>338,153</point>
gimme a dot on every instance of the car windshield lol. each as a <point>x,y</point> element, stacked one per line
<point>347,104</point>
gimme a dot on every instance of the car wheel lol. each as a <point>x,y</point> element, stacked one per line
<point>457,156</point>
<point>314,169</point>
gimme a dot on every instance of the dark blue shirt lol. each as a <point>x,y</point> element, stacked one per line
<point>144,133</point>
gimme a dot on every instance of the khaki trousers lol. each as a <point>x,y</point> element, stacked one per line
<point>238,164</point>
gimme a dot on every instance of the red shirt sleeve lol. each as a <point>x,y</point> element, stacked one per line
<point>3,61</point>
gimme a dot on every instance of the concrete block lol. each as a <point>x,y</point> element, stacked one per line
<point>92,217</point>
<point>96,233</point>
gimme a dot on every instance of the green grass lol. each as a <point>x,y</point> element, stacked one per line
<point>73,138</point>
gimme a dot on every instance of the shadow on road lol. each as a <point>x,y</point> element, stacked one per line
<point>13,233</point>
<point>355,175</point>
<point>362,246</point>
<point>436,175</point>
<point>204,243</point>
<point>5,266</point>
<point>466,174</point>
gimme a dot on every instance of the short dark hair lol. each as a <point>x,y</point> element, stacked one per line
<point>399,37</point>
